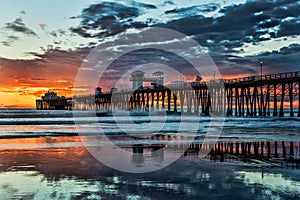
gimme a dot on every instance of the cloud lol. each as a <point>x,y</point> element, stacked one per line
<point>224,35</point>
<point>168,3</point>
<point>108,18</point>
<point>32,54</point>
<point>241,22</point>
<point>194,10</point>
<point>44,72</point>
<point>53,33</point>
<point>285,59</point>
<point>289,28</point>
<point>142,5</point>
<point>22,12</point>
<point>38,79</point>
<point>6,43</point>
<point>238,25</point>
<point>19,26</point>
<point>10,40</point>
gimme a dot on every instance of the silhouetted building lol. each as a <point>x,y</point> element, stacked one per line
<point>98,91</point>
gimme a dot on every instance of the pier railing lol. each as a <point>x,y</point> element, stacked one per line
<point>278,76</point>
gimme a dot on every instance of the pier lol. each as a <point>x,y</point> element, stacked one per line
<point>267,95</point>
<point>249,96</point>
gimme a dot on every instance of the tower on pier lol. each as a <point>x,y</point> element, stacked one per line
<point>137,78</point>
<point>158,78</point>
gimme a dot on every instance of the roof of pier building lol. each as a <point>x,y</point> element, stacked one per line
<point>137,73</point>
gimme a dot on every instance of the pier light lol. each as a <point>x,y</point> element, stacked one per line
<point>261,73</point>
<point>214,74</point>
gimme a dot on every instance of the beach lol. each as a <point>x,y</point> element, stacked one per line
<point>47,155</point>
<point>71,172</point>
<point>42,159</point>
<point>146,100</point>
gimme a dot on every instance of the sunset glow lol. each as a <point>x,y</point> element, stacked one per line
<point>42,52</point>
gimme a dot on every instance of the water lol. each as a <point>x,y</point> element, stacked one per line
<point>42,157</point>
<point>31,123</point>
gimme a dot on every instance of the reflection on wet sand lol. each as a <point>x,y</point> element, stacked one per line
<point>259,153</point>
<point>230,170</point>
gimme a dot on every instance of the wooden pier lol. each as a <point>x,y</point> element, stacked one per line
<point>256,95</point>
<point>267,95</point>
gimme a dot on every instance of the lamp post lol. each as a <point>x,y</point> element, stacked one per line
<point>261,92</point>
<point>261,74</point>
<point>214,75</point>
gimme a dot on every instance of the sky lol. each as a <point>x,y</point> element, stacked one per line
<point>44,43</point>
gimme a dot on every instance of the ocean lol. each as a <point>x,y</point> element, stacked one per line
<point>34,123</point>
<point>56,154</point>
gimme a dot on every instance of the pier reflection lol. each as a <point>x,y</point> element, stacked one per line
<point>46,172</point>
<point>157,148</point>
<point>259,153</point>
<point>254,153</point>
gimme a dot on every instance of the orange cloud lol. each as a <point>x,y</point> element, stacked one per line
<point>22,81</point>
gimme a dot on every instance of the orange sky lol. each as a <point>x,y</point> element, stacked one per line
<point>55,45</point>
<point>22,81</point>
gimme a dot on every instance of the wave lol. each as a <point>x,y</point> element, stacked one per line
<point>40,123</point>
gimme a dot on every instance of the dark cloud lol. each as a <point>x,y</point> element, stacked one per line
<point>133,59</point>
<point>6,43</point>
<point>293,48</point>
<point>31,53</point>
<point>38,79</point>
<point>289,28</point>
<point>60,33</point>
<point>53,33</point>
<point>252,22</point>
<point>142,5</point>
<point>223,35</point>
<point>194,10</point>
<point>168,3</point>
<point>282,9</point>
<point>284,60</point>
<point>12,37</point>
<point>249,23</point>
<point>234,69</point>
<point>108,18</point>
<point>10,40</point>
<point>269,23</point>
<point>19,26</point>
<point>22,12</point>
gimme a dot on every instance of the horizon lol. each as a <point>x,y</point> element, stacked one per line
<point>42,51</point>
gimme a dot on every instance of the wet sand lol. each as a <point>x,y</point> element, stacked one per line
<point>62,168</point>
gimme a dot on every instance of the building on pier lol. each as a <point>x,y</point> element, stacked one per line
<point>51,101</point>
<point>138,78</point>
<point>98,91</point>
